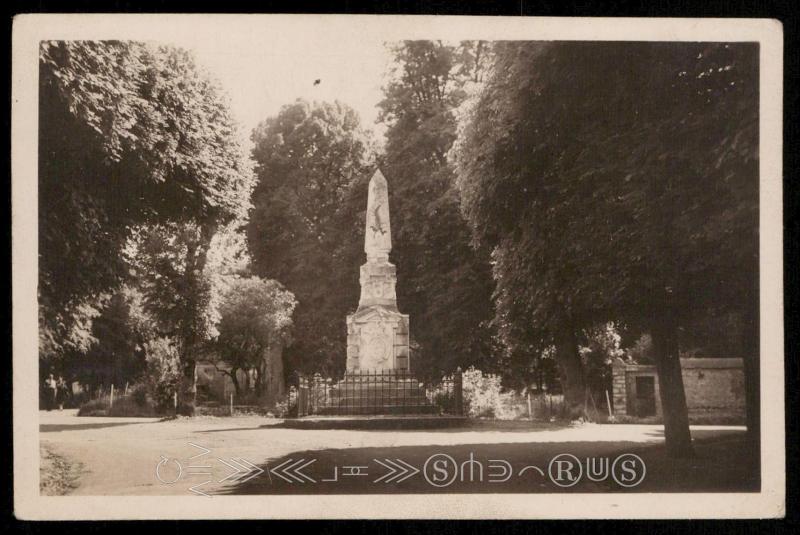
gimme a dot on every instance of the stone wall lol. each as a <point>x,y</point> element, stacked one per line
<point>714,389</point>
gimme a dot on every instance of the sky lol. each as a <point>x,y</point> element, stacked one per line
<point>262,73</point>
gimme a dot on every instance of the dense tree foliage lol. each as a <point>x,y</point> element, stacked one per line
<point>306,228</point>
<point>254,315</point>
<point>617,181</point>
<point>443,283</point>
<point>128,134</point>
<point>116,355</point>
<point>132,137</point>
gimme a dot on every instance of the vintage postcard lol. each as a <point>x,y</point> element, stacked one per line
<point>397,267</point>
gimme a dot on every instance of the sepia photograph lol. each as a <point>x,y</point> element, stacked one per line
<point>510,266</point>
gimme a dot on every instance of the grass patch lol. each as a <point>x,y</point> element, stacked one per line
<point>124,406</point>
<point>57,475</point>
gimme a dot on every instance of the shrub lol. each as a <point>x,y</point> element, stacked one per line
<point>163,372</point>
<point>140,395</point>
<point>95,407</point>
<point>482,395</point>
<point>127,406</point>
<point>136,404</point>
<point>282,409</point>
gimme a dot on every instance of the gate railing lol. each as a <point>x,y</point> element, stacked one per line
<point>375,392</point>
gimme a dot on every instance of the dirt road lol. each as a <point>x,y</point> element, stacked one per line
<point>145,456</point>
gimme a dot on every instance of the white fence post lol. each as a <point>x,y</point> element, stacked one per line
<point>530,412</point>
<point>111,400</point>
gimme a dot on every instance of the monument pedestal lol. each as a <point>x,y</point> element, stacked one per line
<point>377,339</point>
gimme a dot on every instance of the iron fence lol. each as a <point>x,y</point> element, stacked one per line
<point>389,392</point>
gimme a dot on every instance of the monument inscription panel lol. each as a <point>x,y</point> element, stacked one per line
<point>377,346</point>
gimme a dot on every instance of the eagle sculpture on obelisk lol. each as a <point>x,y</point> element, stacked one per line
<point>377,333</point>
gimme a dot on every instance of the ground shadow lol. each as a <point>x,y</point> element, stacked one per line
<point>379,426</point>
<point>427,425</point>
<point>720,466</point>
<point>54,428</point>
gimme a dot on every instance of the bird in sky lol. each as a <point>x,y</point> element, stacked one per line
<point>317,81</point>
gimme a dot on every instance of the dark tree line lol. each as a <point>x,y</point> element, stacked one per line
<point>136,143</point>
<point>306,226</point>
<point>618,181</point>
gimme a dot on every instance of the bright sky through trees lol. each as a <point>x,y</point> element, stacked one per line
<point>262,73</point>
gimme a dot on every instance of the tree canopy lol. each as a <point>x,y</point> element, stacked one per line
<point>129,133</point>
<point>443,283</point>
<point>304,230</point>
<point>604,159</point>
<point>616,181</point>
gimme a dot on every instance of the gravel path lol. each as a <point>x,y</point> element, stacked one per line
<point>120,456</point>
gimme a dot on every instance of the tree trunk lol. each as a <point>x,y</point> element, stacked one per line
<point>187,393</point>
<point>677,436</point>
<point>263,368</point>
<point>196,256</point>
<point>257,380</point>
<point>234,380</point>
<point>573,380</point>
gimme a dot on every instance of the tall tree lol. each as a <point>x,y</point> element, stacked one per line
<point>311,161</point>
<point>254,315</point>
<point>443,283</point>
<point>129,134</point>
<point>618,181</point>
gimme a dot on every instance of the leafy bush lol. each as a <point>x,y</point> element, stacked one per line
<point>282,410</point>
<point>95,407</point>
<point>163,372</point>
<point>482,395</point>
<point>137,403</point>
<point>127,406</point>
<point>140,395</point>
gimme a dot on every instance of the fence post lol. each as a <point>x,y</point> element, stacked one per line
<point>530,412</point>
<point>111,399</point>
<point>458,392</point>
<point>231,403</point>
<point>302,396</point>
<point>175,401</point>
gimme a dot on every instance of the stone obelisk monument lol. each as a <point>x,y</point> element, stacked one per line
<point>377,333</point>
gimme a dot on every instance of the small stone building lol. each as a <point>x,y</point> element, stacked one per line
<point>714,390</point>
